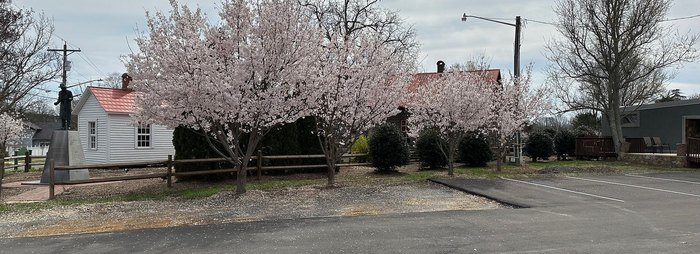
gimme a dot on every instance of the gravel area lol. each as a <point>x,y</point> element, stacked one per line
<point>227,207</point>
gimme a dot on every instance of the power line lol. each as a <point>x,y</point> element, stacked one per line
<point>92,64</point>
<point>682,18</point>
<point>665,20</point>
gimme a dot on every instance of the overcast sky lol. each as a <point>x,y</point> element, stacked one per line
<point>105,31</point>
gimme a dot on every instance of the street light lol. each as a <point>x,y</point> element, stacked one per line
<point>516,67</point>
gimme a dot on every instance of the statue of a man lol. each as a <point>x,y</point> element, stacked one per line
<point>64,98</point>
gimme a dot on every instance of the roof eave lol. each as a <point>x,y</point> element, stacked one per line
<point>83,99</point>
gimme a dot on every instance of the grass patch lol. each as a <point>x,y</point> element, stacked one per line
<point>509,170</point>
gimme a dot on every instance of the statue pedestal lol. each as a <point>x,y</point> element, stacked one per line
<point>65,150</point>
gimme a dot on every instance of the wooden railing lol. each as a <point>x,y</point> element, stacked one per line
<point>170,172</point>
<point>692,152</point>
<point>637,145</point>
<point>595,147</point>
<point>26,162</point>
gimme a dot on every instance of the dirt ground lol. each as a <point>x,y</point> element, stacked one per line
<point>227,207</point>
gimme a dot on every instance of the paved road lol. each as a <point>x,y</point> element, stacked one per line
<point>603,214</point>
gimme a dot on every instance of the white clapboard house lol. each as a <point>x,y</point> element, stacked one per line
<point>109,135</point>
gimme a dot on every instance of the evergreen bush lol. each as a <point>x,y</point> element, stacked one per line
<point>474,150</point>
<point>428,149</point>
<point>585,131</point>
<point>564,144</point>
<point>191,144</point>
<point>388,148</point>
<point>539,145</point>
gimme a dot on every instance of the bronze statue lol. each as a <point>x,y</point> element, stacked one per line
<point>64,98</point>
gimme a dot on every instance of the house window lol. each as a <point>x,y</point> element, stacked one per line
<point>404,126</point>
<point>143,136</point>
<point>630,119</point>
<point>92,135</point>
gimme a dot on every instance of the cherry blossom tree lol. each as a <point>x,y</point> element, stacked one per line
<point>514,104</point>
<point>362,74</point>
<point>454,104</point>
<point>11,131</point>
<point>230,80</point>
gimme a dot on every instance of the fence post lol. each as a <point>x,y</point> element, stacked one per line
<point>2,174</point>
<point>170,171</point>
<point>259,166</point>
<point>52,179</point>
<point>15,160</point>
<point>27,161</point>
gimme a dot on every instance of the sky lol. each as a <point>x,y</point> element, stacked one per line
<point>104,31</point>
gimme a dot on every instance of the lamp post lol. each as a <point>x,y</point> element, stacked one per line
<point>516,68</point>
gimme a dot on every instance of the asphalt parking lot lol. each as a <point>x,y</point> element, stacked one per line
<point>651,213</point>
<point>637,191</point>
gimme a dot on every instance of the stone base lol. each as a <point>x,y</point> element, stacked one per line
<point>65,150</point>
<point>655,159</point>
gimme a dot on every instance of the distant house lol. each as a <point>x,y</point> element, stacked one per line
<point>672,121</point>
<point>108,134</point>
<point>42,129</point>
<point>419,79</point>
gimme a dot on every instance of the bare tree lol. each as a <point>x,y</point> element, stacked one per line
<point>614,53</point>
<point>24,62</point>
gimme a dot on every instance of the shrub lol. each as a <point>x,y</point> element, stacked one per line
<point>585,131</point>
<point>564,143</point>
<point>361,145</point>
<point>190,144</point>
<point>539,145</point>
<point>474,150</point>
<point>388,148</point>
<point>281,140</point>
<point>428,148</point>
<point>552,133</point>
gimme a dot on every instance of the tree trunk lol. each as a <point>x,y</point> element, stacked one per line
<point>241,178</point>
<point>616,130</point>
<point>331,172</point>
<point>450,163</point>
<point>499,158</point>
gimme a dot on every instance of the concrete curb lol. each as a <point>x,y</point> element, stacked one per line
<point>505,201</point>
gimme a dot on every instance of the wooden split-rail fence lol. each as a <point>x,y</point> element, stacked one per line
<point>170,172</point>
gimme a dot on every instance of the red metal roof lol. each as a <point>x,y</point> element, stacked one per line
<point>115,100</point>
<point>420,79</point>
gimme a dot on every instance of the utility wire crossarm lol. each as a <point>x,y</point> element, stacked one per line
<point>66,52</point>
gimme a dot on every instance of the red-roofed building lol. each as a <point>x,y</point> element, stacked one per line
<point>108,134</point>
<point>420,79</point>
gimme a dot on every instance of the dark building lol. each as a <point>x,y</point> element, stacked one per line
<point>672,121</point>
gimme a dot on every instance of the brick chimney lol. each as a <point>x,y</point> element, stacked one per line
<point>125,81</point>
<point>440,66</point>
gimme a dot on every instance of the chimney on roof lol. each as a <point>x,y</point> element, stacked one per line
<point>440,66</point>
<point>125,81</point>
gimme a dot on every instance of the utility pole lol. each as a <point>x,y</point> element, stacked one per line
<point>516,69</point>
<point>517,150</point>
<point>66,52</point>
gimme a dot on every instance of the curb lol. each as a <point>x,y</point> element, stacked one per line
<point>514,204</point>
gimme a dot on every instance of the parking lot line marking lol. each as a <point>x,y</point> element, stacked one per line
<point>634,186</point>
<point>565,190</point>
<point>665,179</point>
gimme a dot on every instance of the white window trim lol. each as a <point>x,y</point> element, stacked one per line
<point>90,135</point>
<point>136,137</point>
